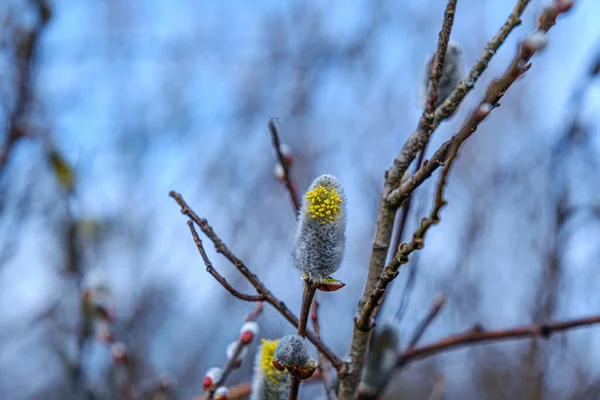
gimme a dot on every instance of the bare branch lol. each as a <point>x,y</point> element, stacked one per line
<point>274,129</point>
<point>26,57</point>
<point>210,269</point>
<point>307,300</point>
<point>253,279</point>
<point>323,365</point>
<point>437,306</point>
<point>477,335</point>
<point>371,299</point>
<point>385,217</point>
<point>231,363</point>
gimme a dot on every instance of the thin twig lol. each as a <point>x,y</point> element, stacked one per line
<point>26,57</point>
<point>263,293</point>
<point>477,335</point>
<point>231,363</point>
<point>274,129</point>
<point>437,306</point>
<point>494,93</point>
<point>307,299</point>
<point>402,225</point>
<point>211,270</point>
<point>385,217</point>
<point>323,364</point>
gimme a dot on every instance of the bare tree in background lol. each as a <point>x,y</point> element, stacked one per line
<point>296,74</point>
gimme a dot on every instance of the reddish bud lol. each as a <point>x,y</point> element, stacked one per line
<point>222,393</point>
<point>213,375</point>
<point>286,152</point>
<point>278,366</point>
<point>279,172</point>
<point>564,5</point>
<point>119,354</point>
<point>248,332</point>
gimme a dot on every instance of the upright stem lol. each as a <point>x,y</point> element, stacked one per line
<point>307,298</point>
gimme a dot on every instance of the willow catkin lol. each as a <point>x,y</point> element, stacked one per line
<point>292,353</point>
<point>452,73</point>
<point>268,383</point>
<point>321,232</point>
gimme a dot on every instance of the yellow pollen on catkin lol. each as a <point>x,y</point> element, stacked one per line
<point>323,204</point>
<point>268,351</point>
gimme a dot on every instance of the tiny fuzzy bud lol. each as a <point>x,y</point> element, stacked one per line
<point>537,41</point>
<point>248,332</point>
<point>286,152</point>
<point>105,312</point>
<point>221,393</point>
<point>564,5</point>
<point>292,353</point>
<point>321,232</point>
<point>279,172</point>
<point>231,349</point>
<point>267,382</point>
<point>103,332</point>
<point>119,353</point>
<point>213,375</point>
<point>452,73</point>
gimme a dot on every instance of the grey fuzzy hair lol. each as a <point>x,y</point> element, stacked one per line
<point>319,248</point>
<point>264,388</point>
<point>292,351</point>
<point>452,73</point>
<point>381,358</point>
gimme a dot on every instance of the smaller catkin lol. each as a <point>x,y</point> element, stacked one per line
<point>292,353</point>
<point>267,382</point>
<point>321,232</point>
<point>452,73</point>
<point>381,358</point>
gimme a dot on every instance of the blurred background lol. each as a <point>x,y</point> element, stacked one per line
<point>110,104</point>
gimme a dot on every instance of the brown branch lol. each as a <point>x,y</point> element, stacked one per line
<point>437,306</point>
<point>307,300</point>
<point>231,363</point>
<point>243,390</point>
<point>385,217</point>
<point>26,58</point>
<point>237,392</point>
<point>323,365</point>
<point>260,288</point>
<point>211,270</point>
<point>274,129</point>
<point>494,93</point>
<point>477,335</point>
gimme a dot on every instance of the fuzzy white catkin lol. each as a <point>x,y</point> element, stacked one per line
<point>381,358</point>
<point>267,382</point>
<point>292,350</point>
<point>452,73</point>
<point>321,232</point>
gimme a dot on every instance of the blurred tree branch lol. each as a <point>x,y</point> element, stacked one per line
<point>478,335</point>
<point>26,55</point>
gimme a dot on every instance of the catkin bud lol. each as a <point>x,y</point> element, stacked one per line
<point>292,353</point>
<point>321,232</point>
<point>231,349</point>
<point>248,332</point>
<point>213,375</point>
<point>452,74</point>
<point>221,393</point>
<point>267,382</point>
<point>119,353</point>
<point>381,359</point>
